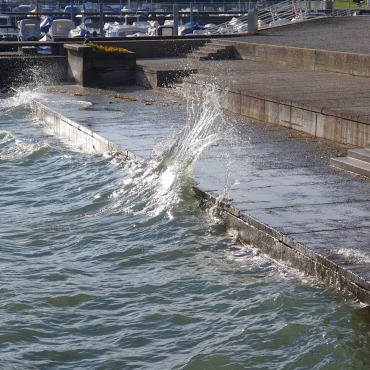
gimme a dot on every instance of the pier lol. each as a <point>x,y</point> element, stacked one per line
<point>303,90</point>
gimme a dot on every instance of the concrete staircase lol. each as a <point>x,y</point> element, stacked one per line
<point>213,51</point>
<point>357,161</point>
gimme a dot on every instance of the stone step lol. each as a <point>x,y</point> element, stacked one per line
<point>213,51</point>
<point>352,165</point>
<point>195,77</point>
<point>214,48</point>
<point>210,54</point>
<point>191,78</point>
<point>220,45</point>
<point>360,154</point>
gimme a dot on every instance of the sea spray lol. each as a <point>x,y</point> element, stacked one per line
<point>166,180</point>
<point>20,97</point>
<point>20,148</point>
<point>25,96</point>
<point>32,72</point>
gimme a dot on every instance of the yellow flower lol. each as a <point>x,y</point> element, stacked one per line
<point>106,49</point>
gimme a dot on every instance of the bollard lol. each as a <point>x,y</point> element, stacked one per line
<point>175,31</point>
<point>252,20</point>
<point>191,15</point>
<point>101,20</point>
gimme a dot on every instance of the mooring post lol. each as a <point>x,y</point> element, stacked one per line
<point>175,30</point>
<point>101,20</point>
<point>253,20</point>
<point>191,15</point>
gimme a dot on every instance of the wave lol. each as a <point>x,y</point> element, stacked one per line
<point>167,179</point>
<point>12,148</point>
<point>24,96</point>
<point>6,137</point>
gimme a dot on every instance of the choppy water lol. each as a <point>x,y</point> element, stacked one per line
<point>94,278</point>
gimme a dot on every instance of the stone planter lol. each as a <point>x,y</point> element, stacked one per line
<point>92,69</point>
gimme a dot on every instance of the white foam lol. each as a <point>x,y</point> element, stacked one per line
<point>352,255</point>
<point>167,179</point>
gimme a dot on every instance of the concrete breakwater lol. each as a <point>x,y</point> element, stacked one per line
<point>87,140</point>
<point>321,93</point>
<point>312,89</point>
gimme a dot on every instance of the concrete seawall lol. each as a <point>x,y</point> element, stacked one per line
<point>79,135</point>
<point>287,250</point>
<point>319,92</point>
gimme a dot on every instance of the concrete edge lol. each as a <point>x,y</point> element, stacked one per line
<point>153,78</point>
<point>76,47</point>
<point>77,134</point>
<point>304,58</point>
<point>285,249</point>
<point>336,126</point>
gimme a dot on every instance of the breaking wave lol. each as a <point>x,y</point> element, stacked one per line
<point>12,147</point>
<point>24,96</point>
<point>167,178</point>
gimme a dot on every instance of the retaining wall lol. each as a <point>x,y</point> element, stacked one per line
<point>166,48</point>
<point>336,126</point>
<point>311,59</point>
<point>88,68</point>
<point>85,139</point>
<point>152,47</point>
<point>20,70</point>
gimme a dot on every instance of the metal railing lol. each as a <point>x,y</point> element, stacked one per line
<point>275,15</point>
<point>278,14</point>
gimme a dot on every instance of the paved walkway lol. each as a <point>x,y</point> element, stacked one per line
<point>320,91</point>
<point>344,34</point>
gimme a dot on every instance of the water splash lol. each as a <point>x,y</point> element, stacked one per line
<point>354,256</point>
<point>5,137</point>
<point>12,147</point>
<point>37,72</point>
<point>21,97</point>
<point>167,179</point>
<point>25,96</point>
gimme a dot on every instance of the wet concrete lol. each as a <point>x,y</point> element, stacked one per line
<point>286,198</point>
